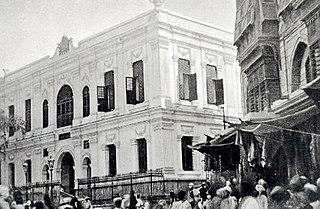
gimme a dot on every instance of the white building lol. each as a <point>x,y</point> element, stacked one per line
<point>128,99</point>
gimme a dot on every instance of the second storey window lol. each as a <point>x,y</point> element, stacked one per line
<point>135,84</point>
<point>106,96</point>
<point>86,101</point>
<point>65,106</point>
<point>45,114</point>
<point>257,98</point>
<point>28,114</point>
<point>187,81</point>
<point>214,86</point>
<point>11,118</point>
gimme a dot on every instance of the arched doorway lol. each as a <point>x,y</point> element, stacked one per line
<point>45,173</point>
<point>67,173</point>
<point>86,165</point>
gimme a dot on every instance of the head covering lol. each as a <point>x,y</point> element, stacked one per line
<point>259,188</point>
<point>311,187</point>
<point>262,182</point>
<point>279,194</point>
<point>295,184</point>
<point>191,184</point>
<point>181,195</point>
<point>228,188</point>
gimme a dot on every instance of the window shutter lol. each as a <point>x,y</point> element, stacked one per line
<point>183,69</point>
<point>187,159</point>
<point>130,90</point>
<point>218,85</point>
<point>142,152</point>
<point>211,73</point>
<point>193,87</point>
<point>185,87</point>
<point>263,96</point>
<point>138,75</point>
<point>101,95</point>
<point>110,97</point>
<point>112,160</point>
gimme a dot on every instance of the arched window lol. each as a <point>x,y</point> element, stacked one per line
<point>87,167</point>
<point>65,106</point>
<point>45,114</point>
<point>86,101</point>
<point>298,66</point>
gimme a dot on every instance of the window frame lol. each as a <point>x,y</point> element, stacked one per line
<point>65,109</point>
<point>86,102</point>
<point>45,114</point>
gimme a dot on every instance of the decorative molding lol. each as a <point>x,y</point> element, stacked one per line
<point>28,154</point>
<point>27,92</point>
<point>136,54</point>
<point>187,130</point>
<point>110,139</point>
<point>211,59</point>
<point>117,144</point>
<point>85,78</point>
<point>228,59</point>
<point>148,139</point>
<point>93,140</point>
<point>51,149</point>
<point>11,157</point>
<point>63,78</point>
<point>179,137</point>
<point>38,150</point>
<point>175,58</point>
<point>164,44</point>
<point>183,52</point>
<point>163,126</point>
<point>140,131</point>
<point>108,63</point>
<point>37,88</point>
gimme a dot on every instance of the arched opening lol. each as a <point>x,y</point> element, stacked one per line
<point>64,106</point>
<point>86,165</point>
<point>86,101</point>
<point>45,114</point>
<point>280,166</point>
<point>298,66</point>
<point>67,173</point>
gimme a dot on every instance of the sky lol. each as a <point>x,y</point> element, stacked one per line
<point>31,29</point>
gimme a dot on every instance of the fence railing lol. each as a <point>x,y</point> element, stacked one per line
<point>35,191</point>
<point>103,189</point>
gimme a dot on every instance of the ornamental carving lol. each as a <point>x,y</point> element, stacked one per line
<point>183,52</point>
<point>187,130</point>
<point>136,54</point>
<point>211,59</point>
<point>140,131</point>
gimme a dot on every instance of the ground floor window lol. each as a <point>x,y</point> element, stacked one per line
<point>187,159</point>
<point>142,155</point>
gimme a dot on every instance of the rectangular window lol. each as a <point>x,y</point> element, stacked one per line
<point>109,84</point>
<point>29,177</point>
<point>106,94</point>
<point>135,84</point>
<point>86,144</point>
<point>112,160</point>
<point>28,114</point>
<point>142,155</point>
<point>45,152</point>
<point>187,159</point>
<point>219,92</point>
<point>187,81</point>
<point>211,73</point>
<point>11,119</point>
<point>64,136</point>
<point>11,175</point>
<point>257,100</point>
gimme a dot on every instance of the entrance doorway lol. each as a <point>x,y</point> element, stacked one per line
<point>67,173</point>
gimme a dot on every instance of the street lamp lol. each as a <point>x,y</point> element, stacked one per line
<point>25,169</point>
<point>51,163</point>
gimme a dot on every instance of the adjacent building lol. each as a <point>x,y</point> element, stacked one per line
<point>128,99</point>
<point>279,54</point>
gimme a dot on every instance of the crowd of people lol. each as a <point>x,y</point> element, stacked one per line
<point>247,194</point>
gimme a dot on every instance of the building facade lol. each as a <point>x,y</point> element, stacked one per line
<point>278,51</point>
<point>128,99</point>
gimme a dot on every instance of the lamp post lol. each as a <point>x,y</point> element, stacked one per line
<point>25,169</point>
<point>51,163</point>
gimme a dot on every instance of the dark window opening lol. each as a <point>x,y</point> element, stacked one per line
<point>45,152</point>
<point>135,84</point>
<point>65,107</point>
<point>187,159</point>
<point>64,136</point>
<point>106,94</point>
<point>28,115</point>
<point>86,101</point>
<point>86,144</point>
<point>142,155</point>
<point>112,160</point>
<point>11,175</point>
<point>11,120</point>
<point>45,114</point>
<point>29,177</point>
